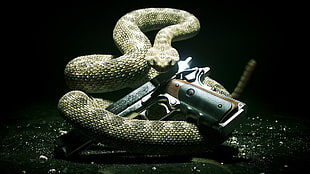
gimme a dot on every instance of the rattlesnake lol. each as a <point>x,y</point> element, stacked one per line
<point>139,63</point>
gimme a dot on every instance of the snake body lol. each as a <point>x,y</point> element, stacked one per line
<point>140,62</point>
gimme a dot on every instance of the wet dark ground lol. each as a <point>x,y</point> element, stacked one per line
<point>265,143</point>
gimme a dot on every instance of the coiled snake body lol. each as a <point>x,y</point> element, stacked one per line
<point>139,62</point>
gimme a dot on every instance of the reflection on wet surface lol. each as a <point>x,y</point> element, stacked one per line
<point>263,144</point>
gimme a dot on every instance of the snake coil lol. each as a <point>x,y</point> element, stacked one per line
<point>140,62</point>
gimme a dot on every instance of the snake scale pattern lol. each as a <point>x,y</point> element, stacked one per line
<point>140,62</point>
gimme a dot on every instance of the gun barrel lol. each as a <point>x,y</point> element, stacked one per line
<point>122,106</point>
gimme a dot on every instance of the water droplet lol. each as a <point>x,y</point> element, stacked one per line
<point>195,169</point>
<point>43,158</point>
<point>52,171</point>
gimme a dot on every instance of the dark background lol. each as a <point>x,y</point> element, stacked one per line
<point>41,37</point>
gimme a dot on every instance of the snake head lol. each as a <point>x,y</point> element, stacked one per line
<point>162,59</point>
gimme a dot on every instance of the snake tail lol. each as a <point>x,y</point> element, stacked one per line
<point>248,70</point>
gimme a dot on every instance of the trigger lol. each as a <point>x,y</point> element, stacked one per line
<point>165,107</point>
